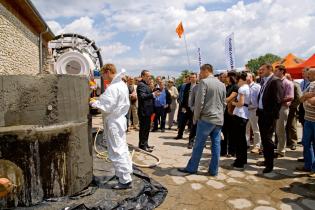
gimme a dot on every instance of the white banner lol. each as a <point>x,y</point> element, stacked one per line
<point>199,57</point>
<point>230,52</point>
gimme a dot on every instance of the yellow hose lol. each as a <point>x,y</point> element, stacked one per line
<point>100,155</point>
<point>144,152</point>
<point>104,155</point>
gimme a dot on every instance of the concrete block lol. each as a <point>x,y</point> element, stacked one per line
<point>26,99</point>
<point>45,131</point>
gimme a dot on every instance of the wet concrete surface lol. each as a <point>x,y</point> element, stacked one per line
<point>45,131</point>
<point>55,160</point>
<point>101,195</point>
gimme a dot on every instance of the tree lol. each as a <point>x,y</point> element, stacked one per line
<point>255,63</point>
<point>183,74</point>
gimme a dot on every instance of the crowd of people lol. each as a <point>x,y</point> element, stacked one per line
<point>239,111</point>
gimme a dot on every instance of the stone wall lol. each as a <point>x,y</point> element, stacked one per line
<point>19,47</point>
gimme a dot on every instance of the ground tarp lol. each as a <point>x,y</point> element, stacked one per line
<point>145,194</point>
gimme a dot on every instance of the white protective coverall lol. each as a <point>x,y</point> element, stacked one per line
<point>114,104</point>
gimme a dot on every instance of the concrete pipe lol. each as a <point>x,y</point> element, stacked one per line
<point>45,132</point>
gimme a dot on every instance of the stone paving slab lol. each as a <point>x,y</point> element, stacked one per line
<point>232,189</point>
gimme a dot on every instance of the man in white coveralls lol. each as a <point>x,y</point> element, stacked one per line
<point>114,103</point>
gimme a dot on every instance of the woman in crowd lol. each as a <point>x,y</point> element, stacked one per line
<point>174,95</point>
<point>240,118</point>
<point>227,144</point>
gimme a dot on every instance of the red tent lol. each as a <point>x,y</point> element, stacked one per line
<point>288,61</point>
<point>296,71</point>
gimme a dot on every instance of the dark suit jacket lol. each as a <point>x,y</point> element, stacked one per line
<point>168,97</point>
<point>184,104</point>
<point>272,97</point>
<point>168,101</point>
<point>145,99</point>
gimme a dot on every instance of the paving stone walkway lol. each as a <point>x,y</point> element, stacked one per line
<point>284,189</point>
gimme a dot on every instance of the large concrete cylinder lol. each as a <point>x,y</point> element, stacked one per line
<point>45,134</point>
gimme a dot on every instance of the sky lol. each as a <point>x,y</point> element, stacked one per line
<point>138,35</point>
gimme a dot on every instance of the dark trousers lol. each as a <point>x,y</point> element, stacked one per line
<point>160,116</point>
<point>186,118</point>
<point>267,126</point>
<point>227,144</point>
<point>239,136</point>
<point>301,113</point>
<point>192,133</point>
<point>179,117</point>
<point>291,128</point>
<point>144,129</point>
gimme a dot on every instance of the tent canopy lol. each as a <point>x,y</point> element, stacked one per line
<point>288,61</point>
<point>296,71</point>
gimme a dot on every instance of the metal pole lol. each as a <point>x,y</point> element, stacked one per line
<point>186,50</point>
<point>41,50</point>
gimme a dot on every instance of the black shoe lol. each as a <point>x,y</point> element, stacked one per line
<point>301,160</point>
<point>178,137</point>
<point>163,130</point>
<point>150,147</point>
<point>261,163</point>
<point>183,170</point>
<point>120,186</point>
<point>302,169</point>
<point>267,170</point>
<point>278,155</point>
<point>293,147</point>
<point>153,130</point>
<point>223,154</point>
<point>238,166</point>
<point>148,150</point>
<point>190,145</point>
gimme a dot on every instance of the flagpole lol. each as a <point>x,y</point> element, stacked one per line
<point>186,50</point>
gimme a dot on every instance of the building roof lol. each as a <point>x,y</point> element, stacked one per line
<point>26,12</point>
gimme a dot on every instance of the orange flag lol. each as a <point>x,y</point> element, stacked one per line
<point>180,29</point>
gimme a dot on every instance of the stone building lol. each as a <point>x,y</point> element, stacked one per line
<point>22,32</point>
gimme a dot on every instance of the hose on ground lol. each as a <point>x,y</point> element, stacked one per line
<point>104,155</point>
<point>101,155</point>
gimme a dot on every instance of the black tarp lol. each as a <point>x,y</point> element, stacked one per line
<point>151,195</point>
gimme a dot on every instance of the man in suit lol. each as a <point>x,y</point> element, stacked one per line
<point>269,104</point>
<point>181,90</point>
<point>145,109</point>
<point>186,112</point>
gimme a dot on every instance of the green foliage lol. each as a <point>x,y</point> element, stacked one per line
<point>181,78</point>
<point>255,63</point>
